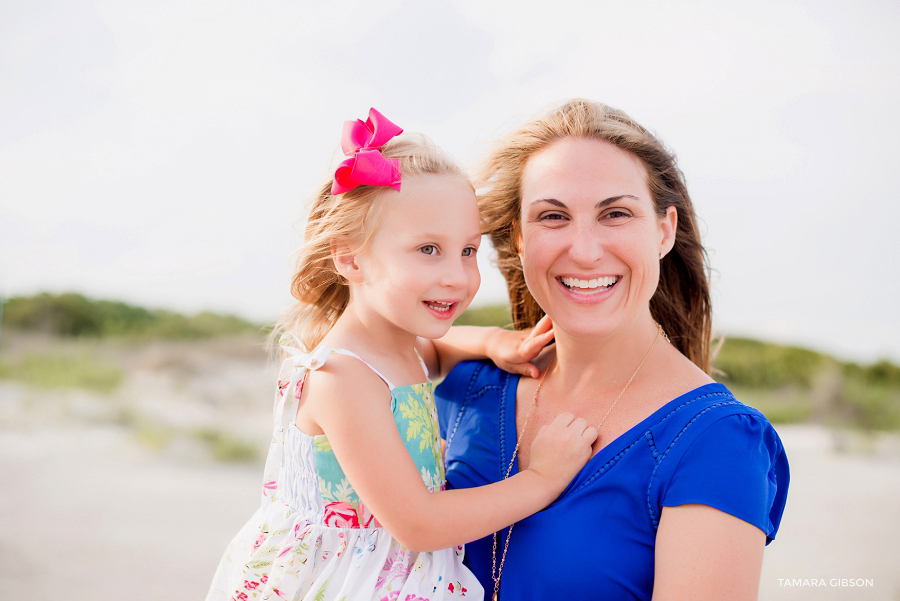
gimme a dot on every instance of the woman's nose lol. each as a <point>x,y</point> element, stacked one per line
<point>586,246</point>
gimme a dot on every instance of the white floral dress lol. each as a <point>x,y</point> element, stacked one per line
<point>313,539</point>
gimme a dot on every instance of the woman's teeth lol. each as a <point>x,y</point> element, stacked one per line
<point>439,306</point>
<point>589,286</point>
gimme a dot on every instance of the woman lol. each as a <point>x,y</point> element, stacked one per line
<point>594,227</point>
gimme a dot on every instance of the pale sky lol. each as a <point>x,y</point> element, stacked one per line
<point>162,152</point>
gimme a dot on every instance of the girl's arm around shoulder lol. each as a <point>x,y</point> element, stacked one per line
<point>352,407</point>
<point>510,350</point>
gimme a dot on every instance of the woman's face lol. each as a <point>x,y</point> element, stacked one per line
<point>591,239</point>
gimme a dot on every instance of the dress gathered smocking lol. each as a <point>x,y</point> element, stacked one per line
<point>313,539</point>
<point>597,539</point>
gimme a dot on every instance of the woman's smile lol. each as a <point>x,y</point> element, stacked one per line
<point>589,290</point>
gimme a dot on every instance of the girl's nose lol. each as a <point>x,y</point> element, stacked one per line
<point>455,274</point>
<point>586,246</point>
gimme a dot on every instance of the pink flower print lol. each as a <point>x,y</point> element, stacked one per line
<point>264,578</point>
<point>285,551</point>
<point>281,387</point>
<point>391,596</point>
<point>366,518</point>
<point>300,534</point>
<point>239,596</point>
<point>260,539</point>
<point>412,597</point>
<point>340,515</point>
<point>250,585</point>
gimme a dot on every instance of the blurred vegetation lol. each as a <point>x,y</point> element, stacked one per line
<point>788,384</point>
<point>74,315</point>
<point>488,315</point>
<point>55,370</point>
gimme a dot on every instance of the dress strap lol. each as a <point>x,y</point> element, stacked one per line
<point>340,351</point>
<point>422,363</point>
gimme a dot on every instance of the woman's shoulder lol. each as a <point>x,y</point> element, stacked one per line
<point>470,380</point>
<point>711,449</point>
<point>705,404</point>
<point>473,393</point>
<point>695,412</point>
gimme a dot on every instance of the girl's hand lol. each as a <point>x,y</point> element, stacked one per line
<point>561,448</point>
<point>513,350</point>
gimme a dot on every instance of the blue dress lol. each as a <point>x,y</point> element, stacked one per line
<point>596,541</point>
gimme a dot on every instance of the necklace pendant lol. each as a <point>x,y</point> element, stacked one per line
<point>495,597</point>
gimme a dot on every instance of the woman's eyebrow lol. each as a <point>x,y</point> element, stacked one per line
<point>599,205</point>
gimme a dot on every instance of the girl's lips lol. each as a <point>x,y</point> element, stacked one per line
<point>441,309</point>
<point>588,291</point>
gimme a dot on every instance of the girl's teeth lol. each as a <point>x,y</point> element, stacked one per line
<point>604,282</point>
<point>438,305</point>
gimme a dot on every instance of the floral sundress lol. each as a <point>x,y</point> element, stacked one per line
<point>313,539</point>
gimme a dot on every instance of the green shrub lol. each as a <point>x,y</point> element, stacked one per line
<point>72,314</point>
<point>758,364</point>
<point>488,315</point>
<point>48,370</point>
<point>225,447</point>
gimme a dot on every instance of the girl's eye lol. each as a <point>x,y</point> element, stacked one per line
<point>617,214</point>
<point>428,249</point>
<point>469,251</point>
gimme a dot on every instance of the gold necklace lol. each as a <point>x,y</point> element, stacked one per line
<point>495,571</point>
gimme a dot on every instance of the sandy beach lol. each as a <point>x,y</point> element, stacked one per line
<point>92,509</point>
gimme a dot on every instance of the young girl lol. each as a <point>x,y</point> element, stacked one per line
<point>354,506</point>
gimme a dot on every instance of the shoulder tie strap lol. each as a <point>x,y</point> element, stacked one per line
<point>340,351</point>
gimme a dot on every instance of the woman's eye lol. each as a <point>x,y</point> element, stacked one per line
<point>469,251</point>
<point>552,216</point>
<point>428,249</point>
<point>617,214</point>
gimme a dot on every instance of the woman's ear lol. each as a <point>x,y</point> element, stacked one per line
<point>668,225</point>
<point>345,261</point>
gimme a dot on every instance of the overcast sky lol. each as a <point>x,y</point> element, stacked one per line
<point>162,152</point>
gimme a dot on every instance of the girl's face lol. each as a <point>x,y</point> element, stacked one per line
<point>420,271</point>
<point>591,239</point>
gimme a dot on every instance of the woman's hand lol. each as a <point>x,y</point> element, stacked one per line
<point>513,350</point>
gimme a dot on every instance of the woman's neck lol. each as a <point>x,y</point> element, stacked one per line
<point>602,362</point>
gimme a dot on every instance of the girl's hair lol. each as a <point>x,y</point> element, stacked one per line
<point>681,302</point>
<point>322,293</point>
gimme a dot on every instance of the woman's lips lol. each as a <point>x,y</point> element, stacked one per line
<point>441,309</point>
<point>588,288</point>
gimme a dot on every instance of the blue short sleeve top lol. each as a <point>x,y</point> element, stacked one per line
<point>596,541</point>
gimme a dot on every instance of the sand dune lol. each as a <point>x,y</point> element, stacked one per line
<point>93,508</point>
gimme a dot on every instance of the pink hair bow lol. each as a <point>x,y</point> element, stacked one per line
<point>366,165</point>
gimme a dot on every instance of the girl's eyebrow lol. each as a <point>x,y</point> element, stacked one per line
<point>599,205</point>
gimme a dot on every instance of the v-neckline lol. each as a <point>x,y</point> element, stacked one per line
<point>609,450</point>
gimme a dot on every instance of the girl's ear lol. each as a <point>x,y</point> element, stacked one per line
<point>345,261</point>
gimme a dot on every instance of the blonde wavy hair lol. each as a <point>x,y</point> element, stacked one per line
<point>321,292</point>
<point>681,303</point>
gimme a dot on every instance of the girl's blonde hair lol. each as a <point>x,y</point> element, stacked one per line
<point>681,303</point>
<point>322,293</point>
